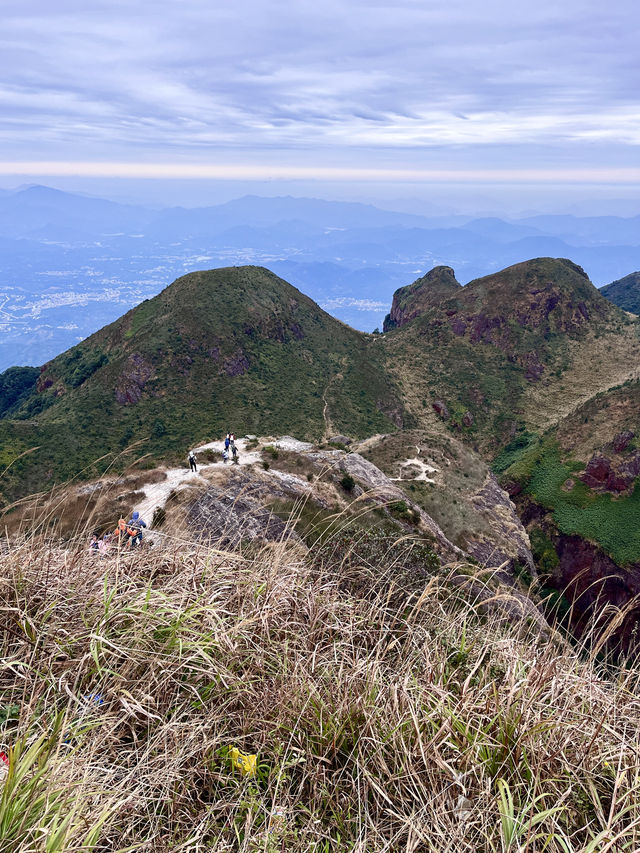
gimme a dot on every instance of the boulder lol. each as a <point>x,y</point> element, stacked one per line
<point>440,408</point>
<point>622,439</point>
<point>340,439</point>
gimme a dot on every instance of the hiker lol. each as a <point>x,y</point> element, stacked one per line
<point>94,544</point>
<point>225,456</point>
<point>134,528</point>
<point>121,533</point>
<point>232,439</point>
<point>192,461</point>
<point>227,442</point>
<point>234,450</point>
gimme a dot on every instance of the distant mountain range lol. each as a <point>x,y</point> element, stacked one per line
<point>73,263</point>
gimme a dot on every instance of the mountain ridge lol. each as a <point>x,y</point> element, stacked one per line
<point>625,292</point>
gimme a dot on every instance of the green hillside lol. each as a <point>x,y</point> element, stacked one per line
<point>512,349</point>
<point>234,348</point>
<point>585,471</point>
<point>625,292</point>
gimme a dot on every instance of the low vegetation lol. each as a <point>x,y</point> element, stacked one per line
<point>549,476</point>
<point>384,711</point>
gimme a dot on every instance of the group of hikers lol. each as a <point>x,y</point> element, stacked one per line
<point>128,534</point>
<point>230,444</point>
<point>229,447</point>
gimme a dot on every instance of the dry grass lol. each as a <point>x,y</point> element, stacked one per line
<point>71,509</point>
<point>612,360</point>
<point>386,715</point>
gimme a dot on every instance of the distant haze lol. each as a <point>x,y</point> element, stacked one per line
<point>424,199</point>
<point>70,264</point>
<point>441,107</point>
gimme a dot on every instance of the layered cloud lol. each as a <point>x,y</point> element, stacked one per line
<point>329,83</point>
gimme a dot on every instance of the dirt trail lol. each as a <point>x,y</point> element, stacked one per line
<point>328,428</point>
<point>423,469</point>
<point>156,494</point>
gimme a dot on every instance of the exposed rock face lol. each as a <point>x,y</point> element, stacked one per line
<point>236,364</point>
<point>408,302</point>
<point>44,380</point>
<point>340,439</point>
<point>440,408</point>
<point>509,541</point>
<point>236,511</point>
<point>130,384</point>
<point>621,441</point>
<point>592,582</point>
<point>394,413</point>
<point>611,475</point>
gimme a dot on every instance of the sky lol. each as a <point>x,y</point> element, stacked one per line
<point>420,103</point>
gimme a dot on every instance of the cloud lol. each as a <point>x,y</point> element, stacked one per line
<point>100,79</point>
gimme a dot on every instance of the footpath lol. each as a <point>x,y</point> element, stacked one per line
<point>156,494</point>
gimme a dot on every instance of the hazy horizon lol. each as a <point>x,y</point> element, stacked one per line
<point>445,107</point>
<point>512,201</point>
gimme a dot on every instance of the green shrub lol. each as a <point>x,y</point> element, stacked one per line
<point>348,483</point>
<point>543,550</point>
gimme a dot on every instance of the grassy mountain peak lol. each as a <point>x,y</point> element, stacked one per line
<point>551,292</point>
<point>521,346</point>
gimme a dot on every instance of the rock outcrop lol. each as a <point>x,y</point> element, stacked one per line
<point>408,302</point>
<point>508,541</point>
<point>616,474</point>
<point>239,506</point>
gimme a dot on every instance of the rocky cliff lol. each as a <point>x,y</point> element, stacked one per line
<point>426,292</point>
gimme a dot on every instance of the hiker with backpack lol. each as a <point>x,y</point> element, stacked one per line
<point>121,533</point>
<point>227,442</point>
<point>192,461</point>
<point>234,451</point>
<point>134,528</point>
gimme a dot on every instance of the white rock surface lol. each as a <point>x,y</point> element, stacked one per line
<point>156,494</point>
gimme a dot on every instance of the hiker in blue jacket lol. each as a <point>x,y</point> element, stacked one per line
<point>134,528</point>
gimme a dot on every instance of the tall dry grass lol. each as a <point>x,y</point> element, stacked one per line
<point>387,713</point>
